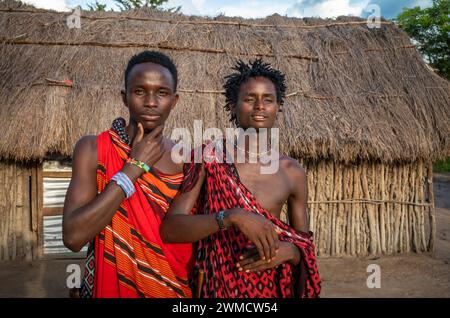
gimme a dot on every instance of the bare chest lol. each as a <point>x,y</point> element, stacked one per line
<point>270,190</point>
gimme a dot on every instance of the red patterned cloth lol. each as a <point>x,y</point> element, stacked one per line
<point>129,258</point>
<point>215,271</point>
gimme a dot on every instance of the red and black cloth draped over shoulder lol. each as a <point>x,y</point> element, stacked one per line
<point>128,258</point>
<point>218,254</point>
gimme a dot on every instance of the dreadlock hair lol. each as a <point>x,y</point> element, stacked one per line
<point>246,71</point>
<point>152,57</point>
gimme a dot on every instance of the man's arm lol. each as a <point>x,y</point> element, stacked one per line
<point>298,203</point>
<point>298,200</point>
<point>85,213</point>
<point>180,227</point>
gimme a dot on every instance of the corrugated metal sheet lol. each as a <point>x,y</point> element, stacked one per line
<point>53,243</point>
<point>54,194</point>
<point>55,191</point>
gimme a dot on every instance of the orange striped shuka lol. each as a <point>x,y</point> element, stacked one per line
<point>128,258</point>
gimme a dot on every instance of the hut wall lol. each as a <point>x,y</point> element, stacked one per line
<point>19,220</point>
<point>356,210</point>
<point>370,208</point>
<point>56,175</point>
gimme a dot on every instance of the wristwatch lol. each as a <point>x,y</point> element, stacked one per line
<point>219,218</point>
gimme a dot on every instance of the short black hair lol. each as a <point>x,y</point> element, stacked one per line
<point>152,57</point>
<point>246,71</point>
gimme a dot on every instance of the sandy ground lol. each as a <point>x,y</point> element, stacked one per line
<point>405,275</point>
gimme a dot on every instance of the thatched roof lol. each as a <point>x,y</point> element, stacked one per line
<point>354,92</point>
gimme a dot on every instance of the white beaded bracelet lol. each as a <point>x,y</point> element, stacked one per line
<point>122,180</point>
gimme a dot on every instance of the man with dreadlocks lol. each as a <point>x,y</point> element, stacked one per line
<point>123,181</point>
<point>233,210</point>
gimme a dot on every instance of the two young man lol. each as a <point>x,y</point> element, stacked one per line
<point>125,199</point>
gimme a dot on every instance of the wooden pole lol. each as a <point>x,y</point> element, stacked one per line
<point>40,204</point>
<point>432,214</point>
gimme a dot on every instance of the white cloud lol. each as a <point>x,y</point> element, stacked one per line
<point>327,8</point>
<point>423,3</point>
<point>58,5</point>
<point>198,4</point>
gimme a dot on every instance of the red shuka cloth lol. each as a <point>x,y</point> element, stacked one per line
<point>215,269</point>
<point>130,258</point>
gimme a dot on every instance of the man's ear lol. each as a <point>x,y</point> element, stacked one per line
<point>175,101</point>
<point>124,97</point>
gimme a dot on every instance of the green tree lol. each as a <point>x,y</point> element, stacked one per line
<point>125,5</point>
<point>430,29</point>
<point>135,4</point>
<point>96,6</point>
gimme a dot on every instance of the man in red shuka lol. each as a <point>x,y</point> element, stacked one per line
<point>123,181</point>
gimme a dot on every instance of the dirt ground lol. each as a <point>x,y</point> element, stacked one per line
<point>405,275</point>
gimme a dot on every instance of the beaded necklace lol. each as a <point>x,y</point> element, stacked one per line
<point>119,125</point>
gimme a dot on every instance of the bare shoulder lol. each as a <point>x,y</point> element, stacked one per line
<point>83,184</point>
<point>291,165</point>
<point>293,170</point>
<point>86,144</point>
<point>85,151</point>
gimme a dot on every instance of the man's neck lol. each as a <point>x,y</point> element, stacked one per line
<point>132,129</point>
<point>253,144</point>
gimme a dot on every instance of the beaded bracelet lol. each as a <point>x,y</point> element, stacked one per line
<point>124,182</point>
<point>139,164</point>
<point>219,218</point>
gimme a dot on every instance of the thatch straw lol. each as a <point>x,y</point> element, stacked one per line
<point>354,92</point>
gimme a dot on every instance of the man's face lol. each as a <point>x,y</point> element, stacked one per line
<point>150,94</point>
<point>257,105</point>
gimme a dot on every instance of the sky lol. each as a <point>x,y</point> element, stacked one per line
<point>261,8</point>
